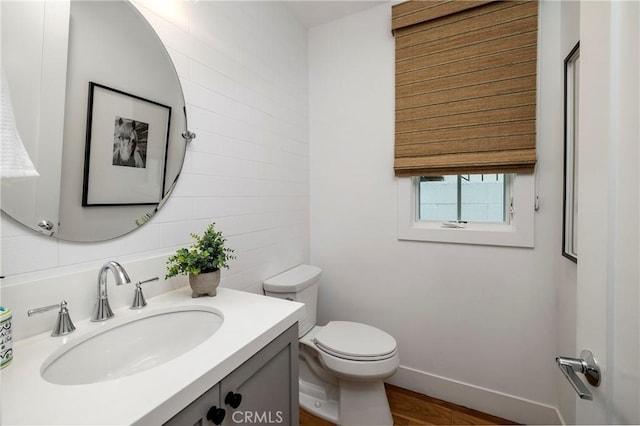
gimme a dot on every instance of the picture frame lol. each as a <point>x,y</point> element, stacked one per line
<point>571,145</point>
<point>126,148</point>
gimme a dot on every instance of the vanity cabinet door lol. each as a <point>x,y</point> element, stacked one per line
<point>204,411</point>
<point>264,390</point>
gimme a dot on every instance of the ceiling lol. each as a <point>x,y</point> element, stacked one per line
<point>312,13</point>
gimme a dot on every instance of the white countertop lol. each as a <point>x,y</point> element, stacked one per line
<point>149,397</point>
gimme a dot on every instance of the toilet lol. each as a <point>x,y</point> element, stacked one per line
<point>342,364</point>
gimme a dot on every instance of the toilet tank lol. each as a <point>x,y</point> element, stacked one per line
<point>301,285</point>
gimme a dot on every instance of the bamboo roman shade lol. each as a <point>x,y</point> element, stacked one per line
<point>465,87</point>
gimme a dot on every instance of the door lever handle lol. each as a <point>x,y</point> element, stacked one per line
<point>586,365</point>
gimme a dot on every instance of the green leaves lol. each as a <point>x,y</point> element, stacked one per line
<point>207,254</point>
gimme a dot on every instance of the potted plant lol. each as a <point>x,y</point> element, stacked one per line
<point>202,262</point>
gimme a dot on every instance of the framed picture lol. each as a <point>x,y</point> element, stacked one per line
<point>571,93</point>
<point>126,148</point>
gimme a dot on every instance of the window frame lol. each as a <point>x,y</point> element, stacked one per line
<point>519,232</point>
<point>571,146</point>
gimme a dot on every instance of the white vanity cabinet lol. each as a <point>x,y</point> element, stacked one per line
<point>263,390</point>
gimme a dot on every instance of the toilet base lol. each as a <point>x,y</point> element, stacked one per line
<point>364,403</point>
<point>360,403</point>
<point>316,400</point>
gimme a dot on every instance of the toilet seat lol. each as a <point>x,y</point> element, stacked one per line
<point>371,367</point>
<point>355,341</point>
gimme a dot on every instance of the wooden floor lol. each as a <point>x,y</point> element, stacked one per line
<point>411,408</point>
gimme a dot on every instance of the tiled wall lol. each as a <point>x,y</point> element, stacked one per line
<point>243,68</point>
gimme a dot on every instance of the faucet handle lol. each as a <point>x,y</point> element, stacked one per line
<point>64,325</point>
<point>138,299</point>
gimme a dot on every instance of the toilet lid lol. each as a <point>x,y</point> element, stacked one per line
<point>352,340</point>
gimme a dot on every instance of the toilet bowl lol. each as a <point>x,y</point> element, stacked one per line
<point>342,364</point>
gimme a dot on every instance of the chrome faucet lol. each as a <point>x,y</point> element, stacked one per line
<point>103,311</point>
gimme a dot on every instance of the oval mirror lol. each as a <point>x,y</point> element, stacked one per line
<point>100,110</point>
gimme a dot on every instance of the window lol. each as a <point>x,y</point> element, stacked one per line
<point>571,101</point>
<point>497,210</point>
<point>482,198</point>
<point>466,110</point>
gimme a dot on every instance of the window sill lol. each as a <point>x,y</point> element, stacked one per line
<point>519,233</point>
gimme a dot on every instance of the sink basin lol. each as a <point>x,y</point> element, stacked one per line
<point>131,346</point>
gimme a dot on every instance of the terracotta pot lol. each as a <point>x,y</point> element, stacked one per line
<point>204,284</point>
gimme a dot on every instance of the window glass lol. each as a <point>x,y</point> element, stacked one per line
<point>469,198</point>
<point>438,198</point>
<point>572,81</point>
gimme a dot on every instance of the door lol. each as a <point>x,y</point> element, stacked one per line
<point>608,296</point>
<point>264,390</point>
<point>204,411</point>
<point>35,39</point>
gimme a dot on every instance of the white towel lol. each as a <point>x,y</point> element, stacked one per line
<point>14,159</point>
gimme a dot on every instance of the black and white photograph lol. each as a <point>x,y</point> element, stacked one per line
<point>130,143</point>
<point>126,148</point>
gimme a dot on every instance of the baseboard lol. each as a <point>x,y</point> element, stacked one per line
<point>499,404</point>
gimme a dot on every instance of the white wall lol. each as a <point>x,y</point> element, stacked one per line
<point>476,325</point>
<point>243,67</point>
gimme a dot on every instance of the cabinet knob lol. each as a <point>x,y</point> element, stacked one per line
<point>233,399</point>
<point>216,415</point>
